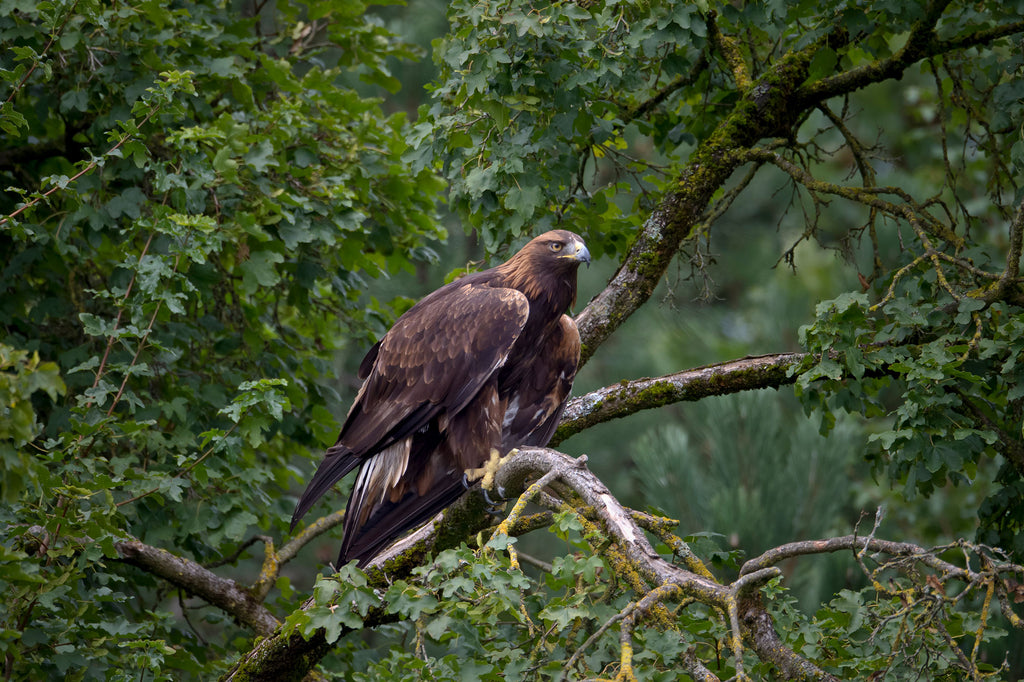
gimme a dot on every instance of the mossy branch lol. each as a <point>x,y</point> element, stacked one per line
<point>727,47</point>
<point>770,106</point>
<point>628,397</point>
<point>764,110</point>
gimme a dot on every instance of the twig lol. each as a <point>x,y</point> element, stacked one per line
<point>88,167</point>
<point>53,38</point>
<point>233,557</point>
<point>313,530</point>
<point>633,612</point>
<point>117,320</point>
<point>504,528</point>
<point>180,473</point>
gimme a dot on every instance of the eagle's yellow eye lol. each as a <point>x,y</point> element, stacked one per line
<point>556,246</point>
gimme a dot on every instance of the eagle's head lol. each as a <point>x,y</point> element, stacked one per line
<point>545,269</point>
<point>559,249</point>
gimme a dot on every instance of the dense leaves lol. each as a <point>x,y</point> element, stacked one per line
<point>196,202</point>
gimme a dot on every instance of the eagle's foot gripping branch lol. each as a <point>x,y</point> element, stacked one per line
<point>485,474</point>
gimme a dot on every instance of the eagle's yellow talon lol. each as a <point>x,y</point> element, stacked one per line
<point>486,473</point>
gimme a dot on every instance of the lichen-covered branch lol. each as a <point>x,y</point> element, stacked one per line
<point>274,558</point>
<point>313,530</point>
<point>659,574</point>
<point>288,656</point>
<point>657,581</point>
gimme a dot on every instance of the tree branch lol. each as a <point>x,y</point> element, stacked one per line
<point>632,543</point>
<point>621,400</point>
<point>763,110</point>
<point>922,44</point>
<point>290,657</point>
<point>188,575</point>
<point>776,98</point>
<point>654,579</point>
<point>856,543</point>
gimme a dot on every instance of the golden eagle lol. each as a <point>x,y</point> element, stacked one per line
<point>484,363</point>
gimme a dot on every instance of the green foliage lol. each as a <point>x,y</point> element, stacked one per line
<point>952,401</point>
<point>194,203</point>
<point>339,601</point>
<point>22,375</point>
<point>530,106</point>
<point>472,616</point>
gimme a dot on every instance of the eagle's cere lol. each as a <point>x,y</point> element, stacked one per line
<point>483,363</point>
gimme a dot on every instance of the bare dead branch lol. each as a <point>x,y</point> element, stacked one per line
<point>858,543</point>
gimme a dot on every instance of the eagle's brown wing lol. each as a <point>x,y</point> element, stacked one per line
<point>434,474</point>
<point>423,375</point>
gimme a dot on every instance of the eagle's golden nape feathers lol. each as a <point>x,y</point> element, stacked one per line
<point>482,364</point>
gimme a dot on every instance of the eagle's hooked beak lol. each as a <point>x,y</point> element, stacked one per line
<point>577,251</point>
